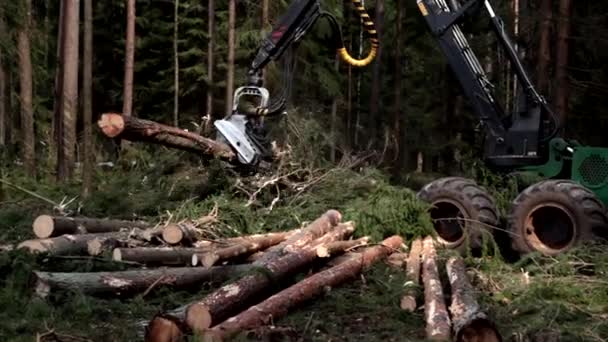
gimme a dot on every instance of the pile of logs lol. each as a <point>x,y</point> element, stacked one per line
<point>256,271</point>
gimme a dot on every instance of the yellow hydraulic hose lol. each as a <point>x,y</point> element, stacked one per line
<point>369,26</point>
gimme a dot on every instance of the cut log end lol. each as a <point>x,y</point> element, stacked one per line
<point>94,247</point>
<point>43,226</point>
<point>209,259</point>
<point>173,234</point>
<point>162,329</point>
<point>334,216</point>
<point>195,259</point>
<point>480,329</point>
<point>111,124</point>
<point>198,317</point>
<point>33,246</point>
<point>408,303</point>
<point>117,254</point>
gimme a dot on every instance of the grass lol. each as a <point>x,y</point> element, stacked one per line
<point>567,296</point>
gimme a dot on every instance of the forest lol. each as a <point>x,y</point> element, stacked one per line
<point>372,211</point>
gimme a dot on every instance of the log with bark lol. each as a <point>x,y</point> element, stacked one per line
<point>470,323</point>
<point>182,233</point>
<point>229,299</point>
<point>132,282</point>
<point>158,255</point>
<point>68,244</point>
<point>249,245</point>
<point>436,316</point>
<point>115,125</point>
<point>279,304</point>
<point>101,245</point>
<point>46,226</point>
<point>312,231</point>
<point>412,286</point>
<point>338,247</point>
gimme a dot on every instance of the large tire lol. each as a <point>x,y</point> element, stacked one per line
<point>553,216</point>
<point>472,206</point>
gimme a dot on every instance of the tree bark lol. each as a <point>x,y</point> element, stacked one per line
<point>408,301</point>
<point>227,300</point>
<point>319,227</point>
<point>279,304</point>
<point>3,119</point>
<point>46,226</point>
<point>544,55</point>
<point>206,125</point>
<point>435,311</point>
<point>561,72</point>
<point>58,91</point>
<point>87,100</point>
<point>176,65</point>
<point>127,106</point>
<point>132,282</point>
<point>103,245</point>
<point>376,76</point>
<point>470,322</point>
<point>25,85</point>
<point>250,245</point>
<point>67,244</point>
<point>399,148</point>
<point>70,89</point>
<point>231,52</point>
<point>134,129</point>
<point>158,255</point>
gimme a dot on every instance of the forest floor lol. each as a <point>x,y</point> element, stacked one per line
<point>532,299</point>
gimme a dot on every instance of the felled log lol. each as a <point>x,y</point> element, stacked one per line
<point>249,245</point>
<point>315,229</point>
<point>397,260</point>
<point>279,304</point>
<point>46,226</point>
<point>157,255</point>
<point>130,128</point>
<point>470,323</point>
<point>67,244</point>
<point>181,233</point>
<point>412,286</point>
<point>227,300</point>
<point>132,282</point>
<point>435,311</point>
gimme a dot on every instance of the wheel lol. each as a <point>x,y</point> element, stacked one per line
<point>552,216</point>
<point>461,211</point>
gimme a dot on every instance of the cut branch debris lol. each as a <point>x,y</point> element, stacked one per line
<point>130,128</point>
<point>279,304</point>
<point>470,322</point>
<point>46,226</point>
<point>436,314</point>
<point>412,287</point>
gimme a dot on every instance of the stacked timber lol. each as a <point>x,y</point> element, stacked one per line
<point>251,276</point>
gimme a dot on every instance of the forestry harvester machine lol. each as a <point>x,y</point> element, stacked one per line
<point>549,217</point>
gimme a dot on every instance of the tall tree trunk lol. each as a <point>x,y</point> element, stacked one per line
<point>376,76</point>
<point>398,114</point>
<point>210,60</point>
<point>87,85</point>
<point>265,24</point>
<point>516,36</point>
<point>70,88</point>
<point>563,47</point>
<point>176,65</point>
<point>25,85</point>
<point>544,55</point>
<point>231,48</point>
<point>127,106</point>
<point>57,129</point>
<point>334,119</point>
<point>3,119</point>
